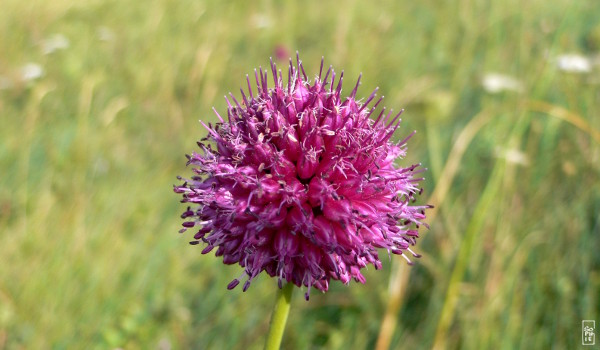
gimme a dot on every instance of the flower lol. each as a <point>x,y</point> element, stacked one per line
<point>5,83</point>
<point>105,34</point>
<point>54,43</point>
<point>281,52</point>
<point>495,83</point>
<point>301,183</point>
<point>31,71</point>
<point>574,63</point>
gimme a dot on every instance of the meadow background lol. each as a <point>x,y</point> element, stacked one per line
<point>100,101</point>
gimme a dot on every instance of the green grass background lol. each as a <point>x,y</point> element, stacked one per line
<point>89,249</point>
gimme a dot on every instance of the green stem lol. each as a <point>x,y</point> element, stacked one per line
<point>279,317</point>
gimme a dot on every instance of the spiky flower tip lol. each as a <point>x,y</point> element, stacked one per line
<point>301,183</point>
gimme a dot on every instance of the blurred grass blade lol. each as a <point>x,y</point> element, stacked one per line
<point>464,254</point>
<point>398,281</point>
<point>564,114</point>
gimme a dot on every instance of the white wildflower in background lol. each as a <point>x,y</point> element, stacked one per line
<point>54,43</point>
<point>261,21</point>
<point>5,83</point>
<point>105,34</point>
<point>512,155</point>
<point>574,63</point>
<point>31,71</point>
<point>495,83</point>
<point>101,166</point>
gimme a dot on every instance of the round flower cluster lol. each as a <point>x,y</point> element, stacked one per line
<point>301,183</point>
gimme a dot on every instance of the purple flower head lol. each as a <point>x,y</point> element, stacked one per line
<point>300,182</point>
